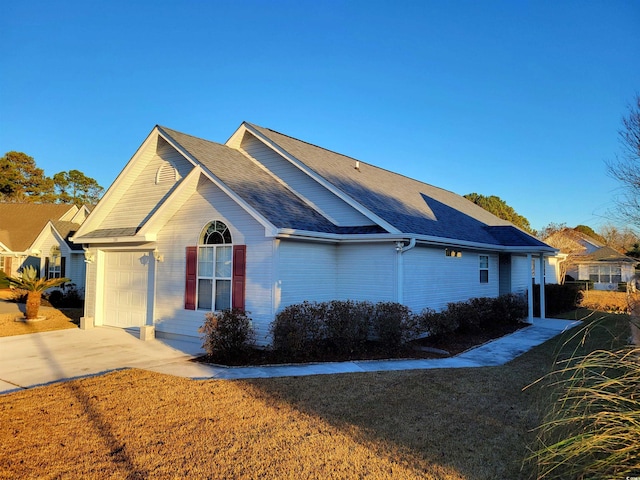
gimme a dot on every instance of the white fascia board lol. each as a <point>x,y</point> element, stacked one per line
<point>269,227</point>
<point>116,190</point>
<point>420,239</point>
<point>5,249</point>
<point>149,237</point>
<point>322,181</point>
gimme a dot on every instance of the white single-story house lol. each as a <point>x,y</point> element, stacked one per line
<point>37,234</point>
<point>606,268</point>
<point>588,259</point>
<point>265,220</point>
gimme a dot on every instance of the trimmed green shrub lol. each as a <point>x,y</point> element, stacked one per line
<point>435,323</point>
<point>471,315</point>
<point>298,329</point>
<point>509,309</point>
<point>346,325</point>
<point>474,315</point>
<point>227,334</point>
<point>392,325</point>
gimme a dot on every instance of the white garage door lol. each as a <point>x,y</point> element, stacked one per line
<point>126,288</point>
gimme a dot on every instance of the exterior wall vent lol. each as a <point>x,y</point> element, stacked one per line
<point>167,173</point>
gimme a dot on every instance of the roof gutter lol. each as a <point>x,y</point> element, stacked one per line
<point>305,235</point>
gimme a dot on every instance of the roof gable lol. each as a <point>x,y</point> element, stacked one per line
<point>571,241</point>
<point>255,186</point>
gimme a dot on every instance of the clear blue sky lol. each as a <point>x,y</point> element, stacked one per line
<point>519,99</point>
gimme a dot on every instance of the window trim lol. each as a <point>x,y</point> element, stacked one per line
<point>482,269</point>
<point>215,237</point>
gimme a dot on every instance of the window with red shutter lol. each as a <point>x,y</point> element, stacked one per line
<point>239,273</point>
<point>191,278</point>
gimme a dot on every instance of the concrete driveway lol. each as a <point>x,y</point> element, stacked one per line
<point>40,358</point>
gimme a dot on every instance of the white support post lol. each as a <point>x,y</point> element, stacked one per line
<point>531,281</point>
<point>542,283</point>
<point>400,273</point>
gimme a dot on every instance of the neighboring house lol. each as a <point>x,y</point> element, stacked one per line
<point>265,221</point>
<point>606,268</point>
<point>38,234</point>
<point>589,260</point>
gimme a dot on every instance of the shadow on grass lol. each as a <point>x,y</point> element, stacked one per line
<point>477,422</point>
<point>480,422</point>
<point>121,459</point>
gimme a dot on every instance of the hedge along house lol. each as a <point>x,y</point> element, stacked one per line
<point>265,221</point>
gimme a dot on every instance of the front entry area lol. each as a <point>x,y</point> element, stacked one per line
<point>126,288</point>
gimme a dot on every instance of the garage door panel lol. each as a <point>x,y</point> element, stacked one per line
<point>126,288</point>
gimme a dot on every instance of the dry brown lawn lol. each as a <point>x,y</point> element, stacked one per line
<point>446,424</point>
<point>605,301</point>
<point>55,320</point>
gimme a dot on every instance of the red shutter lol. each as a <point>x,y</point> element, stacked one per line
<point>239,272</point>
<point>191,278</point>
<point>7,265</point>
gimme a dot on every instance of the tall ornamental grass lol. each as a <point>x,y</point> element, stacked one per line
<point>592,426</point>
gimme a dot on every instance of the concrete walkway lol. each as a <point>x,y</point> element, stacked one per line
<point>40,358</point>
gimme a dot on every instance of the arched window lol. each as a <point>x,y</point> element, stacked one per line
<point>215,252</point>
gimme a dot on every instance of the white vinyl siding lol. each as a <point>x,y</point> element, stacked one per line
<point>307,272</point>
<point>323,272</point>
<point>520,274</point>
<point>305,187</point>
<point>145,194</point>
<point>432,279</point>
<point>183,229</point>
<point>367,272</point>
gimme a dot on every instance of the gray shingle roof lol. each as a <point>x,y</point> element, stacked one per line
<point>411,206</point>
<point>259,189</point>
<point>605,254</point>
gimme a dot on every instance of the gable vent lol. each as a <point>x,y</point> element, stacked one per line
<point>167,173</point>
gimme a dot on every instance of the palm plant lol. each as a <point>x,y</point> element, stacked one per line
<point>29,281</point>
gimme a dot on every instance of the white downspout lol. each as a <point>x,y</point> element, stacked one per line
<point>530,289</point>
<point>400,249</point>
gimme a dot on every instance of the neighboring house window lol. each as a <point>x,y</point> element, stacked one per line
<point>484,269</point>
<point>54,263</point>
<point>1,263</point>
<point>215,267</point>
<point>605,273</point>
<point>452,253</point>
